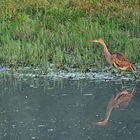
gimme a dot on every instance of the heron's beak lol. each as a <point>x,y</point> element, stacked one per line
<point>93,41</point>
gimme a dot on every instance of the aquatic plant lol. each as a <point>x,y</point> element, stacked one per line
<point>40,32</point>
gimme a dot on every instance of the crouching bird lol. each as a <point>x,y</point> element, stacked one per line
<point>116,59</point>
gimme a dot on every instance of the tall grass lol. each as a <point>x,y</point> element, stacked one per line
<point>39,32</point>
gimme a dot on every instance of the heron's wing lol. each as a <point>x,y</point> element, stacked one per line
<point>120,60</point>
<point>123,99</point>
<point>120,56</point>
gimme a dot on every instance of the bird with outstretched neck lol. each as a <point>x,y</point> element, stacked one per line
<point>116,59</point>
<point>122,99</point>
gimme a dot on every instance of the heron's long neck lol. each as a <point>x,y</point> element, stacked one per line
<point>107,54</point>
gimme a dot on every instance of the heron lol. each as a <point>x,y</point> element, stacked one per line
<point>116,59</point>
<point>122,99</point>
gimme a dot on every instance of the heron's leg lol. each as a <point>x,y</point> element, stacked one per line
<point>122,84</point>
<point>135,72</point>
<point>110,68</point>
<point>136,75</point>
<point>122,73</point>
<point>113,70</point>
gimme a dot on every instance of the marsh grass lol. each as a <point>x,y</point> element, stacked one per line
<point>37,33</point>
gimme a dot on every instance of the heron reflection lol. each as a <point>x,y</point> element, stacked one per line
<point>122,99</point>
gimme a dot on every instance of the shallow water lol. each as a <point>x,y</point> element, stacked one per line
<point>45,109</point>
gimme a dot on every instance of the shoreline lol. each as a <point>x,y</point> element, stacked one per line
<point>104,75</point>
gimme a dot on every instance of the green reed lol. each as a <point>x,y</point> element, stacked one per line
<point>38,33</point>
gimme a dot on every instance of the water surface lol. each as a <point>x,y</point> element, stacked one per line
<point>45,109</point>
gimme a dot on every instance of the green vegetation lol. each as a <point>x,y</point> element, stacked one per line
<point>40,32</point>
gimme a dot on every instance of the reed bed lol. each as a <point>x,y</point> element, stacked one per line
<point>37,33</point>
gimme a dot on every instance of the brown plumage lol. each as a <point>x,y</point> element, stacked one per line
<point>122,99</point>
<point>116,59</point>
<point>121,62</point>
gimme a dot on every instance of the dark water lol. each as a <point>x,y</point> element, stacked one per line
<point>44,109</point>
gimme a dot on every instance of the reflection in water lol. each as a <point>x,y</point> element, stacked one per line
<point>46,109</point>
<point>122,99</point>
